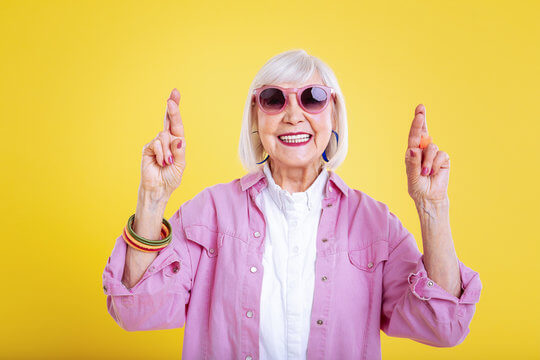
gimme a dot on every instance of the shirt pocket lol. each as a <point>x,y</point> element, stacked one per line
<point>369,257</point>
<point>210,240</point>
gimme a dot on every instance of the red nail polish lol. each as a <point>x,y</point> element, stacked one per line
<point>431,172</point>
<point>164,163</point>
<point>179,144</point>
<point>424,171</point>
<point>411,152</point>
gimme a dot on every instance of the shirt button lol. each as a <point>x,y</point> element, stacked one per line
<point>329,205</point>
<point>324,278</point>
<point>319,322</point>
<point>256,234</point>
<point>324,240</point>
<point>175,269</point>
<point>430,283</point>
<point>253,269</point>
<point>249,314</point>
<point>295,249</point>
<point>150,269</point>
<point>370,265</point>
<point>212,250</point>
<point>249,357</point>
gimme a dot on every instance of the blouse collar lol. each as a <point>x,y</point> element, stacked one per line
<point>309,198</point>
<point>255,181</point>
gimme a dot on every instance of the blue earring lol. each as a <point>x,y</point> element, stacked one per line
<point>324,152</point>
<point>266,158</point>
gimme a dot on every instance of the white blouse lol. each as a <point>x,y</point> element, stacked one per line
<point>288,282</point>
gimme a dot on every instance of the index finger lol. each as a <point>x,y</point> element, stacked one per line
<point>418,127</point>
<point>173,118</point>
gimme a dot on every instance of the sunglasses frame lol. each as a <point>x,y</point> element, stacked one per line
<point>298,91</point>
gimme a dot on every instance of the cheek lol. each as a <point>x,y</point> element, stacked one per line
<point>322,127</point>
<point>262,125</point>
<point>266,131</point>
<point>323,133</point>
<point>267,124</point>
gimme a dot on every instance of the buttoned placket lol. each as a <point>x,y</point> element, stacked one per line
<point>294,213</point>
<point>324,272</point>
<point>252,286</point>
<point>322,297</point>
<point>297,250</point>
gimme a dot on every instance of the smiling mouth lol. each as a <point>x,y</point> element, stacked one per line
<point>295,139</point>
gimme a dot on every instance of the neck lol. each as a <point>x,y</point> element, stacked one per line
<point>294,179</point>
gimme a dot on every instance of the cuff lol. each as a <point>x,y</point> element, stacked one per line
<point>166,260</point>
<point>425,288</point>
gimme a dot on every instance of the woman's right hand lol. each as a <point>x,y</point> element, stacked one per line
<point>163,158</point>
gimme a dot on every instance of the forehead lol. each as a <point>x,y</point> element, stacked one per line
<point>314,79</point>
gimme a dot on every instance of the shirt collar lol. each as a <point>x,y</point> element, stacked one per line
<point>258,179</point>
<point>305,199</point>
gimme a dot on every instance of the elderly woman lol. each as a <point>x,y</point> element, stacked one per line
<point>288,262</point>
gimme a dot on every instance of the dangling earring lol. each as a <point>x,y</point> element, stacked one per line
<point>324,152</point>
<point>266,158</point>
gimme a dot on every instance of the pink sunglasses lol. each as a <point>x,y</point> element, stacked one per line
<point>312,98</point>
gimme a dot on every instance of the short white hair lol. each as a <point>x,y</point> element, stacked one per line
<point>292,66</point>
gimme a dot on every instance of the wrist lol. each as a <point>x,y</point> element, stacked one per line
<point>151,200</point>
<point>440,204</point>
<point>433,209</point>
<point>149,215</point>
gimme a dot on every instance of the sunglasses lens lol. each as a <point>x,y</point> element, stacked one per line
<point>314,98</point>
<point>272,99</point>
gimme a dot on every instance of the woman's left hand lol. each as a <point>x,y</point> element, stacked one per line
<point>431,186</point>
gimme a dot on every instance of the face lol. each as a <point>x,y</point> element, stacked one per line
<point>293,119</point>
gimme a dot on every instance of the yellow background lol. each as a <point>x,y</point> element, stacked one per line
<point>83,89</point>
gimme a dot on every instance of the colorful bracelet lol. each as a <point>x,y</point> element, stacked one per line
<point>165,228</point>
<point>139,243</point>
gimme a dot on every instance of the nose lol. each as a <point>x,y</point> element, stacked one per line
<point>293,112</point>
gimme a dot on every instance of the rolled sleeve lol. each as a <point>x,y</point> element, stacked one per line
<point>160,299</point>
<point>425,288</point>
<point>416,307</point>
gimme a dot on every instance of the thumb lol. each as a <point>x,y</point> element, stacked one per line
<point>413,162</point>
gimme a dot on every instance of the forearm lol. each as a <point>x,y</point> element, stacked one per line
<point>147,224</point>
<point>440,259</point>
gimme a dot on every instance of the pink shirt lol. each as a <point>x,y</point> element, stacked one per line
<point>369,276</point>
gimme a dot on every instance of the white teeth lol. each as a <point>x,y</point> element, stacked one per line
<point>295,138</point>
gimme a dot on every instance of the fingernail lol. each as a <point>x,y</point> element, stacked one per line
<point>425,170</point>
<point>431,172</point>
<point>170,159</point>
<point>164,163</point>
<point>179,144</point>
<point>411,152</point>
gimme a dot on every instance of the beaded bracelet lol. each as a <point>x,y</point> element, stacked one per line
<point>139,243</point>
